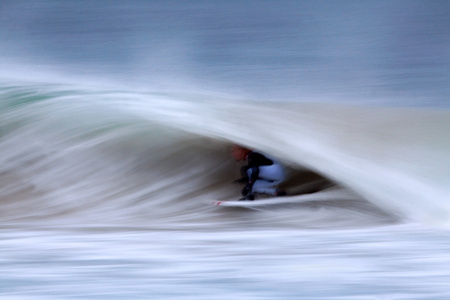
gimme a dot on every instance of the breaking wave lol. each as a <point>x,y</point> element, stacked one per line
<point>85,156</point>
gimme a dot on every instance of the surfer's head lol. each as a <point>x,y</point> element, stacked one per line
<point>239,153</point>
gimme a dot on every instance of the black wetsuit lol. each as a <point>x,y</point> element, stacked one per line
<point>255,160</point>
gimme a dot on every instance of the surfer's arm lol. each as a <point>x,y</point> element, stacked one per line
<point>244,178</point>
<point>254,175</point>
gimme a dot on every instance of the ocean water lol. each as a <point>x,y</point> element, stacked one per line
<point>117,120</point>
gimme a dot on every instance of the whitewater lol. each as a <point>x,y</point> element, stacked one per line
<point>116,124</point>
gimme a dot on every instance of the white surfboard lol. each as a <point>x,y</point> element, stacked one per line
<point>326,195</point>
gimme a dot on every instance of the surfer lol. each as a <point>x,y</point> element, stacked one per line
<point>261,174</point>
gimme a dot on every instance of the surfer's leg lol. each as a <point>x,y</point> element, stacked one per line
<point>264,187</point>
<point>269,178</point>
<point>273,173</point>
